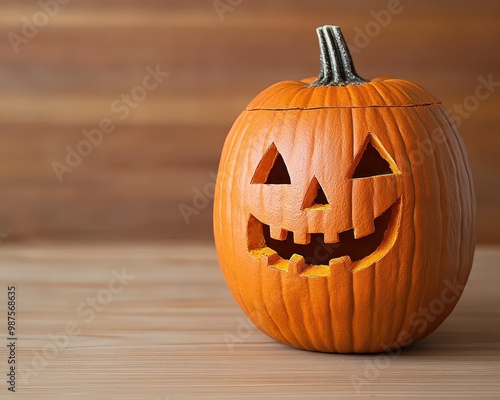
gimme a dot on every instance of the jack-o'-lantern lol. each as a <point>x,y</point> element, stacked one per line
<point>344,210</point>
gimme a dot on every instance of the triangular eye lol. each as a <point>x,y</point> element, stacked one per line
<point>373,160</point>
<point>272,169</point>
<point>315,197</point>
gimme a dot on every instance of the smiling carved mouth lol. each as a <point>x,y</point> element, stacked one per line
<point>317,257</point>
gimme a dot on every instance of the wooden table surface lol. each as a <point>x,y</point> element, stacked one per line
<point>171,330</point>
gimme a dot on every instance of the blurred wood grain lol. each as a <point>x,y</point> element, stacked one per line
<point>65,78</point>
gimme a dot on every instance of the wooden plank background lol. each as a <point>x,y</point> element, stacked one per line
<point>64,79</point>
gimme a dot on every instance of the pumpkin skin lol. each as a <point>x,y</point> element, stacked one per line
<point>390,251</point>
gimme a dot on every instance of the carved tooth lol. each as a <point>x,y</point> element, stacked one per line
<point>301,238</point>
<point>296,264</point>
<point>344,261</point>
<point>278,233</point>
<point>364,229</point>
<point>331,237</point>
<point>268,257</point>
<point>264,260</point>
<point>348,263</point>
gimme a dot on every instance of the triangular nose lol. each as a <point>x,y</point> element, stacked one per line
<point>315,198</point>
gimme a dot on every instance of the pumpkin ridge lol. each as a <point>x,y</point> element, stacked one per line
<point>445,196</point>
<point>457,143</point>
<point>411,257</point>
<point>432,283</point>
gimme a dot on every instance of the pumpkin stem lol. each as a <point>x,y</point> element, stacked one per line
<point>337,68</point>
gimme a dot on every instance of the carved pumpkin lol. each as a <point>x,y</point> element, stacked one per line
<point>344,210</point>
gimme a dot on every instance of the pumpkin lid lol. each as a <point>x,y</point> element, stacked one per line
<point>339,85</point>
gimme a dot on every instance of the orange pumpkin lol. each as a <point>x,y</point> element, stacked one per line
<point>344,210</point>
